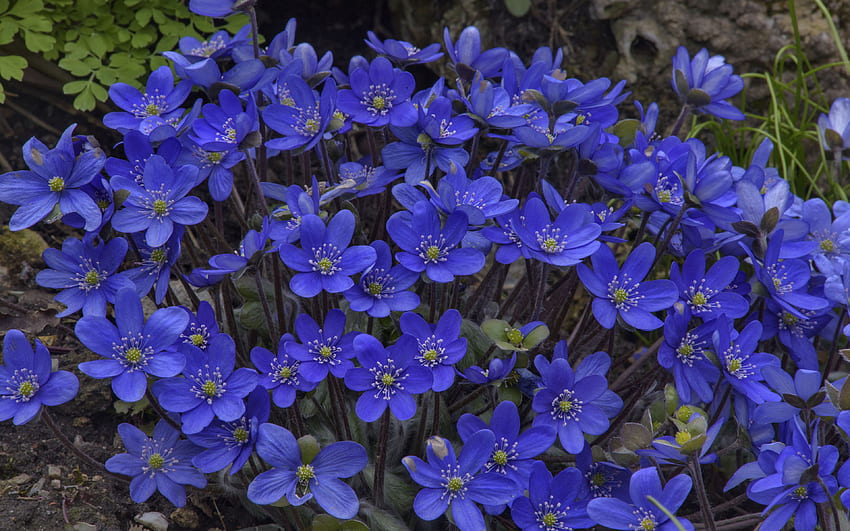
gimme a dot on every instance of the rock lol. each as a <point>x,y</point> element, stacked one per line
<point>36,487</point>
<point>186,518</point>
<point>82,526</point>
<point>55,484</point>
<point>153,521</point>
<point>20,479</point>
<point>54,472</point>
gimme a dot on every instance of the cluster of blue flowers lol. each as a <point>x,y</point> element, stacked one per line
<point>382,225</point>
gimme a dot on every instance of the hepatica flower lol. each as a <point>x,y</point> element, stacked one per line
<point>834,128</point>
<point>402,52</point>
<point>86,274</point>
<point>570,401</point>
<point>513,452</point>
<point>26,380</point>
<point>55,177</point>
<point>429,246</point>
<point>324,348</point>
<point>133,347</point>
<point>383,287</point>
<point>160,463</point>
<point>387,379</point>
<point>298,481</point>
<point>161,100</point>
<point>280,373</point>
<point>210,387</point>
<point>232,443</point>
<point>623,292</point>
<point>552,502</point>
<point>379,95</point>
<point>642,513</point>
<point>154,269</point>
<point>705,291</point>
<point>740,364</point>
<point>304,119</point>
<point>160,203</point>
<point>436,347</point>
<point>563,242</point>
<point>706,82</point>
<point>325,262</point>
<point>458,482</point>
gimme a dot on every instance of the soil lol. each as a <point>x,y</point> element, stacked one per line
<point>43,485</point>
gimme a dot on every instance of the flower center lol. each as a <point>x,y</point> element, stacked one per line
<point>549,520</point>
<point>209,388</point>
<point>684,413</point>
<point>620,295</point>
<point>454,484</point>
<point>92,278</point>
<point>284,373</point>
<point>325,264</point>
<point>379,103</point>
<point>197,339</point>
<point>598,479</point>
<point>500,457</point>
<point>827,246</point>
<point>430,355</point>
<point>311,126</point>
<point>565,406</point>
<point>549,245</point>
<point>158,256</point>
<point>326,352</point>
<point>240,435</point>
<point>789,319</point>
<point>733,365</point>
<point>56,184</point>
<point>305,473</point>
<point>682,437</point>
<point>215,156</point>
<point>514,335</point>
<point>133,355</point>
<point>686,350</point>
<point>432,253</point>
<point>160,207</point>
<point>648,523</point>
<point>800,493</point>
<point>699,299</point>
<point>26,389</point>
<point>375,288</point>
<point>156,461</point>
<point>387,379</point>
<point>152,109</point>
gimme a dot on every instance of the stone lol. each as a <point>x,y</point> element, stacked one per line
<point>185,517</point>
<point>54,472</point>
<point>55,484</point>
<point>153,521</point>
<point>20,479</point>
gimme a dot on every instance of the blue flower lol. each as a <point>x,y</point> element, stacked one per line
<point>436,347</point>
<point>383,288</point>
<point>430,247</point>
<point>603,479</point>
<point>466,55</point>
<point>325,262</point>
<point>280,373</point>
<point>134,348</point>
<point>159,463</point>
<point>797,393</point>
<point>215,8</point>
<point>569,401</point>
<point>490,105</point>
<point>705,291</point>
<point>138,148</point>
<point>154,269</point>
<point>497,370</point>
<point>621,291</point>
<point>298,203</point>
<point>160,103</point>
<point>565,241</point>
<point>683,353</point>
<point>322,349</point>
<point>705,83</point>
<point>26,380</point>
<point>740,364</point>
<point>201,329</point>
<point>552,503</point>
<point>55,177</point>
<point>458,482</point>
<point>232,443</point>
<point>210,387</point>
<point>642,513</point>
<point>225,126</point>
<point>160,203</point>
<point>219,44</point>
<point>387,379</point>
<point>834,128</point>
<point>299,482</point>
<point>481,198</point>
<point>796,333</point>
<point>86,274</point>
<point>379,95</point>
<point>513,452</point>
<point>402,52</point>
<point>303,121</point>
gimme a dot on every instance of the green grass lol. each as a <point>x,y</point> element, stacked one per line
<point>789,119</point>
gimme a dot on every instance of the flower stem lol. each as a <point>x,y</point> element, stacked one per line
<point>381,459</point>
<point>159,411</point>
<point>702,496</point>
<point>680,120</point>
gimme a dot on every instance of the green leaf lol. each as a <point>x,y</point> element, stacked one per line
<point>84,100</point>
<point>8,29</point>
<point>309,448</point>
<point>12,67</point>
<point>2,94</point>
<point>518,8</point>
<point>26,9</point>
<point>143,16</point>
<point>74,87</point>
<point>38,42</point>
<point>97,44</point>
<point>99,92</point>
<point>75,66</point>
